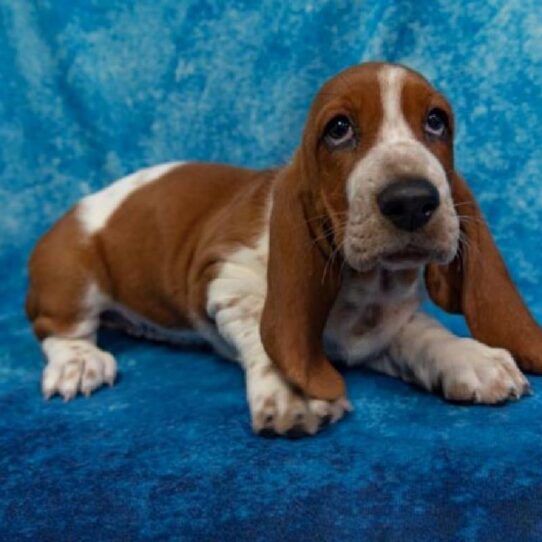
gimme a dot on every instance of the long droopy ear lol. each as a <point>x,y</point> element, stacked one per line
<point>302,286</point>
<point>477,284</point>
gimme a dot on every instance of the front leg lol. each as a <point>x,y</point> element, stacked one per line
<point>276,406</point>
<point>277,409</point>
<point>463,369</point>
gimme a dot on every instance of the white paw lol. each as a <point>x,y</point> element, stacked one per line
<point>481,374</point>
<point>276,409</point>
<point>73,366</point>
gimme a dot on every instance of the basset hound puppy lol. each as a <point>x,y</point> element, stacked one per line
<point>284,270</point>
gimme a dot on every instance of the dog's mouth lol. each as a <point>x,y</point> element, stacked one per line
<point>409,257</point>
<point>396,251</point>
<point>415,256</point>
<point>409,253</point>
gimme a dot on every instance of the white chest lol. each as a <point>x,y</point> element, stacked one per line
<point>369,311</point>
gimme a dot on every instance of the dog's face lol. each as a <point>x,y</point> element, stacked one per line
<point>382,142</point>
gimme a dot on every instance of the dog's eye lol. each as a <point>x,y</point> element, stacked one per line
<point>436,123</point>
<point>339,133</point>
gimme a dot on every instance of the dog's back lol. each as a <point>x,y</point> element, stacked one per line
<point>145,242</point>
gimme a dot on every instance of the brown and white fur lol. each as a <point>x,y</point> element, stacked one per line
<point>284,269</point>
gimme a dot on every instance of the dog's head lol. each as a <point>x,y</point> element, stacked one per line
<point>379,147</point>
<point>373,184</point>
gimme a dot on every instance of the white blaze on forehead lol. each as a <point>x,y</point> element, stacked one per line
<point>394,126</point>
<point>397,151</point>
<point>95,210</point>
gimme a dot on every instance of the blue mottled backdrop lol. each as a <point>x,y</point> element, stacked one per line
<point>91,90</point>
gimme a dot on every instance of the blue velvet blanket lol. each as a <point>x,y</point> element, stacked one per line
<point>91,90</point>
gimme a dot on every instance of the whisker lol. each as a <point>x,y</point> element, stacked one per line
<point>333,231</point>
<point>470,219</point>
<point>322,216</point>
<point>336,250</point>
<point>468,245</point>
<point>463,203</point>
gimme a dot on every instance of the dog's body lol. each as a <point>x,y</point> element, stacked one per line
<point>270,265</point>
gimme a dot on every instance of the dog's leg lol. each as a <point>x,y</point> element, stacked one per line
<point>275,407</point>
<point>74,362</point>
<point>463,369</point>
<point>64,305</point>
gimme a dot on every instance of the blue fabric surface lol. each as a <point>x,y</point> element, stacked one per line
<point>91,90</point>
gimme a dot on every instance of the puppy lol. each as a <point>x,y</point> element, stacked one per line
<point>283,270</point>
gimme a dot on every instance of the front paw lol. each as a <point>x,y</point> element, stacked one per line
<point>277,409</point>
<point>481,374</point>
<point>75,366</point>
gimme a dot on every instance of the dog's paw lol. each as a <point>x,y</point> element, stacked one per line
<point>481,374</point>
<point>276,409</point>
<point>75,366</point>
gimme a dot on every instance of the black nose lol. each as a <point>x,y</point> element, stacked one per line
<point>409,203</point>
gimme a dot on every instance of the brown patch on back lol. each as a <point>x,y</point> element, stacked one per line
<point>157,252</point>
<point>193,217</point>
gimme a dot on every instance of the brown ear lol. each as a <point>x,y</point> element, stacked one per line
<point>302,286</point>
<point>477,284</point>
